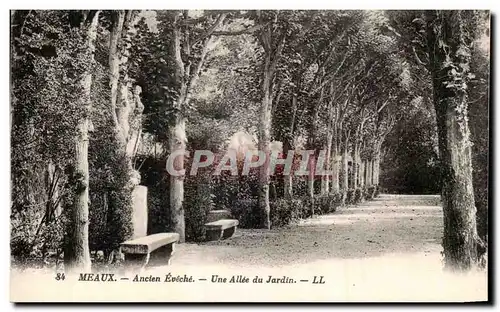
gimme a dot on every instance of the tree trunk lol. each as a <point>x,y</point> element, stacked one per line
<point>288,186</point>
<point>271,58</point>
<point>335,167</point>
<point>177,142</point>
<point>369,172</point>
<point>185,75</point>
<point>177,139</point>
<point>287,179</point>
<point>310,178</point>
<point>117,19</point>
<point>376,166</point>
<point>124,109</point>
<point>449,53</point>
<point>355,167</point>
<point>288,146</point>
<point>372,175</point>
<point>52,184</point>
<point>264,141</point>
<point>325,181</point>
<point>77,254</point>
<point>311,143</point>
<point>362,173</point>
<point>345,169</point>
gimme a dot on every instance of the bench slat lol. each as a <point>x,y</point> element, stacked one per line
<point>219,211</point>
<point>147,244</point>
<point>222,224</point>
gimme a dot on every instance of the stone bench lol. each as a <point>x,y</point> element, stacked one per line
<point>224,228</point>
<point>216,215</point>
<point>157,248</point>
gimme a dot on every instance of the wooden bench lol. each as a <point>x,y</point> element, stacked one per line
<point>224,228</point>
<point>157,248</point>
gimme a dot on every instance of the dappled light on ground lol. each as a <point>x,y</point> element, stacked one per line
<point>388,256</point>
<point>377,250</point>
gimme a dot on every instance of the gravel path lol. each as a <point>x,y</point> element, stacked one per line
<point>389,224</point>
<point>388,249</point>
<point>385,250</point>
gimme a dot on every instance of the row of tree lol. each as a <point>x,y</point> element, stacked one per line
<point>323,80</point>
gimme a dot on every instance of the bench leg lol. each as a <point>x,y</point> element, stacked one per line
<point>136,261</point>
<point>229,232</point>
<point>213,235</point>
<point>163,255</point>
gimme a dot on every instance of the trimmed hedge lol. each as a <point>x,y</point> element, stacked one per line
<point>350,197</point>
<point>354,196</point>
<point>285,212</point>
<point>370,192</point>
<point>358,195</point>
<point>197,203</point>
<point>246,211</point>
<point>328,203</point>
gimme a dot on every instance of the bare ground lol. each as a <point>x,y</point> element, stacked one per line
<point>389,224</point>
<point>388,249</point>
<point>383,250</point>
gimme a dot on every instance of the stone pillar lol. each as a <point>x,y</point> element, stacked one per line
<point>140,211</point>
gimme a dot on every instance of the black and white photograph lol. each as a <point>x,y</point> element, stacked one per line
<point>251,155</point>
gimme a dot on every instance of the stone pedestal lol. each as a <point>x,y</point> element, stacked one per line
<point>140,211</point>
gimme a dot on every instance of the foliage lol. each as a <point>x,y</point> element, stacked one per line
<point>328,203</point>
<point>245,211</point>
<point>358,195</point>
<point>111,207</point>
<point>369,192</point>
<point>411,162</point>
<point>199,201</point>
<point>152,170</point>
<point>46,70</point>
<point>284,212</point>
<point>358,82</point>
<point>479,111</point>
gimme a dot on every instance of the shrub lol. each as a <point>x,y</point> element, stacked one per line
<point>225,190</point>
<point>307,207</point>
<point>336,199</point>
<point>197,203</point>
<point>328,203</point>
<point>370,192</point>
<point>300,187</point>
<point>322,204</point>
<point>358,195</point>
<point>246,211</point>
<point>110,209</point>
<point>285,212</point>
<point>301,208</point>
<point>158,209</point>
<point>364,192</point>
<point>350,196</point>
<point>343,197</point>
<point>282,212</point>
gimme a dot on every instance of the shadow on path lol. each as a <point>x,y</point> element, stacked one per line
<point>390,224</point>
